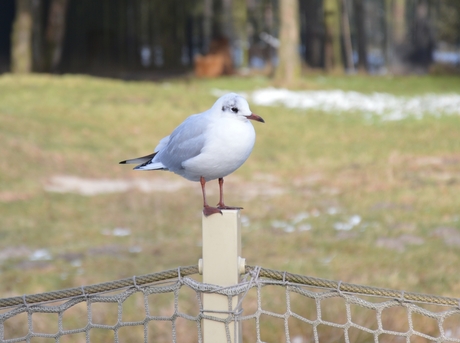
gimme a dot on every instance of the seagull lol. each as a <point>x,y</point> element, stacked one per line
<point>207,146</point>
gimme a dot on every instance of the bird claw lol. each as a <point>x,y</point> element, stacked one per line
<point>225,207</point>
<point>208,210</point>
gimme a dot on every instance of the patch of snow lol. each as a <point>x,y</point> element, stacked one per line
<point>286,227</point>
<point>399,243</point>
<point>300,217</point>
<point>305,227</point>
<point>315,212</point>
<point>14,252</point>
<point>448,57</point>
<point>40,255</point>
<point>328,259</point>
<point>290,227</point>
<point>297,339</point>
<point>349,224</point>
<point>384,105</point>
<point>245,221</point>
<point>332,211</point>
<point>118,231</point>
<point>92,187</point>
<point>135,249</point>
<point>76,263</point>
<point>387,107</point>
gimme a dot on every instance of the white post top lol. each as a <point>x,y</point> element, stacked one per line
<point>220,266</point>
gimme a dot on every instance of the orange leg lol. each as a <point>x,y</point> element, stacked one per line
<point>221,204</point>
<point>207,210</point>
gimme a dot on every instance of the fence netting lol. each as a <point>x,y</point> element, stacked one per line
<point>273,306</point>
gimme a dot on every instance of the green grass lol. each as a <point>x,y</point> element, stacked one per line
<point>401,178</point>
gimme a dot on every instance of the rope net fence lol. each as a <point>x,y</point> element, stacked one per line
<point>273,306</point>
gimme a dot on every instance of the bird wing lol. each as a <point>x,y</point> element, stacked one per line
<point>161,145</point>
<point>185,142</point>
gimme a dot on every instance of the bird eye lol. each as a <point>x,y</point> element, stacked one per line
<point>234,109</point>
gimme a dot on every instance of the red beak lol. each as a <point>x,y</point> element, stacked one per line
<point>256,117</point>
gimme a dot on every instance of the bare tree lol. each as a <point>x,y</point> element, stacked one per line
<point>448,23</point>
<point>240,17</point>
<point>421,38</point>
<point>347,37</point>
<point>55,32</point>
<point>289,67</point>
<point>208,14</point>
<point>38,36</point>
<point>313,31</point>
<point>21,39</point>
<point>361,41</point>
<point>399,14</point>
<point>396,35</point>
<point>32,47</point>
<point>332,50</point>
<point>227,19</point>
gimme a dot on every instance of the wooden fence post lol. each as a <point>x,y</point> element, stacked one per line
<point>221,265</point>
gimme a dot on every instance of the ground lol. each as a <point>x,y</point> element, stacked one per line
<point>341,194</point>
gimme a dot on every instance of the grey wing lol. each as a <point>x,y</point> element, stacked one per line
<point>162,144</point>
<point>185,142</point>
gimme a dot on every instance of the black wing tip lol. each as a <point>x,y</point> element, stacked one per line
<point>144,164</point>
<point>122,162</point>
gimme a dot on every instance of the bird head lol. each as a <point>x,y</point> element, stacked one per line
<point>234,104</point>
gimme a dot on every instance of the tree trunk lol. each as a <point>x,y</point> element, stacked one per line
<point>347,37</point>
<point>388,32</point>
<point>332,48</point>
<point>289,67</point>
<point>399,15</point>
<point>227,19</point>
<point>313,32</point>
<point>55,32</point>
<point>207,24</point>
<point>240,17</point>
<point>37,36</point>
<point>21,38</point>
<point>398,35</point>
<point>144,34</point>
<point>122,33</point>
<point>422,41</point>
<point>361,35</point>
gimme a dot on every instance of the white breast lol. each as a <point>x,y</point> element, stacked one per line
<point>228,144</point>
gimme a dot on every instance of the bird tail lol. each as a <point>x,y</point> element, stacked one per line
<point>145,163</point>
<point>142,159</point>
<point>151,166</point>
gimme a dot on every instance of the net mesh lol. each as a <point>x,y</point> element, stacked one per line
<point>273,306</point>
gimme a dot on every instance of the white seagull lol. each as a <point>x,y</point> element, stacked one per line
<point>207,146</point>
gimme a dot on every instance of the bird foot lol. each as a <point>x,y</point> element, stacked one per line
<point>225,207</point>
<point>208,210</point>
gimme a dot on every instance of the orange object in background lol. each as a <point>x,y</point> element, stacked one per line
<point>217,62</point>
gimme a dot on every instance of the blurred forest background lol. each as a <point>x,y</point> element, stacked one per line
<point>353,177</point>
<point>153,38</point>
